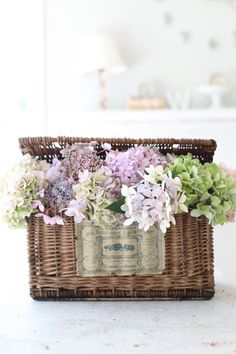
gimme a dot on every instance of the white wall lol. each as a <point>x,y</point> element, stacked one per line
<point>154,51</point>
<point>21,114</point>
<point>21,74</point>
<point>22,110</point>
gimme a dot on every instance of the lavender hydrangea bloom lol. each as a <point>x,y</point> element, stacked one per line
<point>58,194</point>
<point>56,170</point>
<point>146,211</point>
<point>79,158</point>
<point>156,198</point>
<point>77,209</point>
<point>130,165</point>
<point>51,220</point>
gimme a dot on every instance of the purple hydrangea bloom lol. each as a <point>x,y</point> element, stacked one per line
<point>130,165</point>
<point>146,205</point>
<point>58,194</point>
<point>156,198</point>
<point>79,158</point>
<point>56,170</point>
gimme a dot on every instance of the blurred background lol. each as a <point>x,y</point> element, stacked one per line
<point>135,68</point>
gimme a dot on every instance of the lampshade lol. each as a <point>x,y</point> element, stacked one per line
<point>99,51</point>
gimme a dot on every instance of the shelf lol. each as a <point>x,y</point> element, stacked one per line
<point>150,116</point>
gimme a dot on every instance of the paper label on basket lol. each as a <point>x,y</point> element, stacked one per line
<point>119,250</point>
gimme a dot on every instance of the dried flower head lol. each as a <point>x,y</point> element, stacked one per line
<point>58,194</point>
<point>79,158</point>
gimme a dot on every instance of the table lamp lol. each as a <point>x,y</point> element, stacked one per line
<point>99,53</point>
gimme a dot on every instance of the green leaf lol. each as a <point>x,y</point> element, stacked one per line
<point>174,172</point>
<point>116,205</point>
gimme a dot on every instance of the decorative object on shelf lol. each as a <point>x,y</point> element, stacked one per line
<point>147,98</point>
<point>179,99</point>
<point>153,192</point>
<point>147,90</point>
<point>217,79</point>
<point>99,53</point>
<point>186,36</point>
<point>213,43</point>
<point>229,2</point>
<point>215,90</point>
<point>234,34</point>
<point>147,103</point>
<point>168,18</point>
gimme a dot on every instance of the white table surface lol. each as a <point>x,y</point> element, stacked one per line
<point>28,326</point>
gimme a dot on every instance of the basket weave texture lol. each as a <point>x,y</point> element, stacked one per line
<point>188,270</point>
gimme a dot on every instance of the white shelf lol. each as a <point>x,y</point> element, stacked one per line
<point>195,123</point>
<point>135,116</point>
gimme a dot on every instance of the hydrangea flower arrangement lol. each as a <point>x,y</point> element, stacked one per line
<point>156,198</point>
<point>106,186</point>
<point>22,190</point>
<point>210,189</point>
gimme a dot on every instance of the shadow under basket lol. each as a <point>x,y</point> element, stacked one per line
<point>188,271</point>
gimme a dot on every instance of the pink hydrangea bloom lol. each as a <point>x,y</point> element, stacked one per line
<point>76,209</point>
<point>231,217</point>
<point>51,220</point>
<point>229,171</point>
<point>37,204</point>
<point>129,165</point>
<point>77,158</point>
<point>55,170</point>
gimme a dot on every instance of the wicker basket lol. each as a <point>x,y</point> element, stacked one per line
<point>188,270</point>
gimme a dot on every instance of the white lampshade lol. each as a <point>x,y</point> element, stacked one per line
<point>99,51</point>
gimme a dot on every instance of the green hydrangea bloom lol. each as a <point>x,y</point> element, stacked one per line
<point>209,190</point>
<point>19,188</point>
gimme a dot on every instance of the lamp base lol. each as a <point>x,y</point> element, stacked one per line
<point>102,103</point>
<point>215,93</point>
